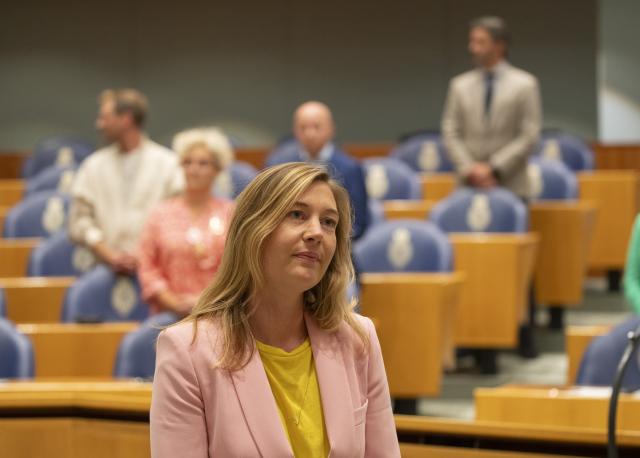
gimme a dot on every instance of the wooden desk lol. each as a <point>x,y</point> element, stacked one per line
<point>617,195</point>
<point>437,186</point>
<point>107,419</point>
<point>408,209</point>
<point>11,191</point>
<point>14,256</point>
<point>11,163</point>
<point>579,408</point>
<point>35,299</point>
<point>499,269</point>
<point>75,350</point>
<point>577,339</point>
<point>3,215</point>
<point>414,316</point>
<point>566,230</point>
<point>75,419</point>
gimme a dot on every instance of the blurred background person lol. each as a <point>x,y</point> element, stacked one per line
<point>492,115</point>
<point>116,186</point>
<point>314,129</point>
<point>183,239</point>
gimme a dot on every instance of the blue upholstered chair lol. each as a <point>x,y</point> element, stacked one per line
<point>390,178</point>
<point>600,361</point>
<point>424,152</point>
<point>569,149</point>
<point>137,352</point>
<point>285,147</point>
<point>58,256</point>
<point>101,295</point>
<point>40,215</point>
<point>232,181</point>
<point>52,178</point>
<point>376,212</point>
<point>59,150</point>
<point>551,180</point>
<point>16,353</point>
<point>470,210</point>
<point>403,246</point>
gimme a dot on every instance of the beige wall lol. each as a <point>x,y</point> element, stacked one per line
<point>382,65</point>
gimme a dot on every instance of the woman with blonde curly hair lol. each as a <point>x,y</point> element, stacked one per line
<point>272,361</point>
<point>183,238</point>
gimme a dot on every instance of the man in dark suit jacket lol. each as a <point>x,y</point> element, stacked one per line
<point>314,129</point>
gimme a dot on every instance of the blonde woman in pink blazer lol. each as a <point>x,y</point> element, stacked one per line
<point>272,362</point>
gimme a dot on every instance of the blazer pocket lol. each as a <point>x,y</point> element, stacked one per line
<point>360,414</point>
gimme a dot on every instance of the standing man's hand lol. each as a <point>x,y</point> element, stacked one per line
<point>481,176</point>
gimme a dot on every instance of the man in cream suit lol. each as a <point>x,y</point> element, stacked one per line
<point>491,119</point>
<point>490,126</point>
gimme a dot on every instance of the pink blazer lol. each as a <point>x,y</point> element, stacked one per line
<point>200,411</point>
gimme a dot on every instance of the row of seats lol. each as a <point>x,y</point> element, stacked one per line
<point>135,358</point>
<point>43,213</point>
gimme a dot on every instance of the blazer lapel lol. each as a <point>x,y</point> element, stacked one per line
<point>260,410</point>
<point>337,404</point>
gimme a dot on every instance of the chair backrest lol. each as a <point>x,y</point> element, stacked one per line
<point>424,152</point>
<point>101,295</point>
<point>600,360</point>
<point>566,148</point>
<point>40,215</point>
<point>58,256</point>
<point>58,150</point>
<point>230,183</point>
<point>136,356</point>
<point>390,178</point>
<point>285,148</point>
<point>16,353</point>
<point>376,212</point>
<point>403,246</point>
<point>551,180</point>
<point>471,210</point>
<point>53,178</point>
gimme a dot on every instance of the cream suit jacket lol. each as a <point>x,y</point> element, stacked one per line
<point>506,137</point>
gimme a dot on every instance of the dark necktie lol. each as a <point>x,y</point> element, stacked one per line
<point>488,94</point>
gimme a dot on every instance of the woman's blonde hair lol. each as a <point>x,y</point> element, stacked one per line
<point>260,208</point>
<point>211,138</point>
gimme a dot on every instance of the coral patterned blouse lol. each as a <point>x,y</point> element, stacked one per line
<point>179,252</point>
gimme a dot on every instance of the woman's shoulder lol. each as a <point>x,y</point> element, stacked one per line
<point>195,336</point>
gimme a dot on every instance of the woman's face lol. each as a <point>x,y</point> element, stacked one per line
<point>297,253</point>
<point>199,169</point>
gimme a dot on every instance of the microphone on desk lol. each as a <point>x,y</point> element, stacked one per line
<point>632,345</point>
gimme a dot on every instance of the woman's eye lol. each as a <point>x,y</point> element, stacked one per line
<point>296,214</point>
<point>332,223</point>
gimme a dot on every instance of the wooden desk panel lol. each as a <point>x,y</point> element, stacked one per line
<point>577,339</point>
<point>617,196</point>
<point>35,299</point>
<point>414,316</point>
<point>435,451</point>
<point>408,209</point>
<point>566,230</point>
<point>3,215</point>
<point>14,256</point>
<point>11,192</point>
<point>437,186</point>
<point>582,408</point>
<point>75,350</point>
<point>498,269</point>
<point>11,163</point>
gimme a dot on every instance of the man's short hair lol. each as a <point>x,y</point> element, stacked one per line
<point>127,101</point>
<point>496,26</point>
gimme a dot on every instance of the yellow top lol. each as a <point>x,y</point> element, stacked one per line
<point>294,383</point>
